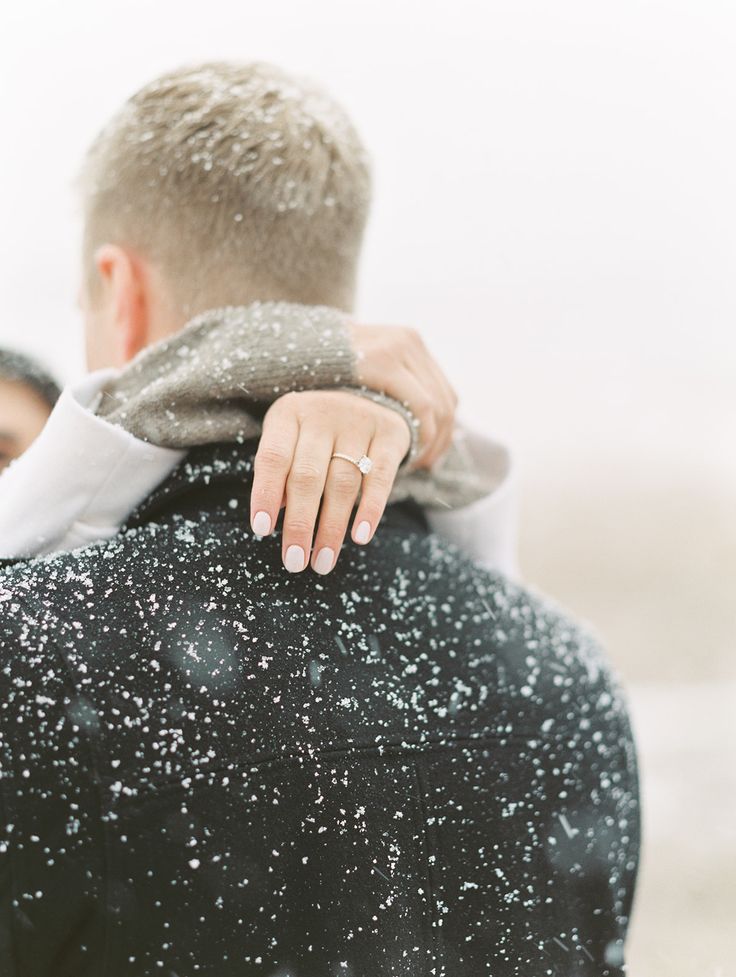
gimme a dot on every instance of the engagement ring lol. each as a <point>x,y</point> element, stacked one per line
<point>364,464</point>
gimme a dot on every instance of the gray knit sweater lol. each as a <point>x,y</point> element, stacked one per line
<point>213,380</point>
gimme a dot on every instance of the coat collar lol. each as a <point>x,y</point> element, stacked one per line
<point>207,475</point>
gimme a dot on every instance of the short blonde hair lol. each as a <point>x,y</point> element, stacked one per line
<point>238,181</point>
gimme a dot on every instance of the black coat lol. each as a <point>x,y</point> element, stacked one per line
<point>212,767</point>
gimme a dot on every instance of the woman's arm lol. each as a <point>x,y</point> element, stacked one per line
<point>213,382</point>
<point>214,379</point>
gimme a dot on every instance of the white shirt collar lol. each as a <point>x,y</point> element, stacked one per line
<point>79,480</point>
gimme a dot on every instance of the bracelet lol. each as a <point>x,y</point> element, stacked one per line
<point>401,408</point>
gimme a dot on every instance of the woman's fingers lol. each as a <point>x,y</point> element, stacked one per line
<point>304,487</point>
<point>397,361</point>
<point>443,400</point>
<point>377,488</point>
<point>295,468</point>
<point>423,408</point>
<point>272,465</point>
<point>444,414</point>
<point>386,449</point>
<point>341,490</point>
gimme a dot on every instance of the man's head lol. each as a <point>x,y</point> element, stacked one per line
<point>218,184</point>
<point>27,395</point>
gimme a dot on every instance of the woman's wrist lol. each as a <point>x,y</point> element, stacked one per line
<point>412,421</point>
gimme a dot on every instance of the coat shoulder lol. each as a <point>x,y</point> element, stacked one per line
<point>45,598</point>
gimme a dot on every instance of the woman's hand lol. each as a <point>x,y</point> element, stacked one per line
<point>395,360</point>
<point>294,467</point>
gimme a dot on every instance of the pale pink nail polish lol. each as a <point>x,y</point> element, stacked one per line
<point>325,560</point>
<point>294,559</point>
<point>261,524</point>
<point>363,532</point>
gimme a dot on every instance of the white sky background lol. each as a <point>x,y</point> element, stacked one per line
<point>553,179</point>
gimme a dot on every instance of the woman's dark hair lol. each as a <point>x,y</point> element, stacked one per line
<point>22,369</point>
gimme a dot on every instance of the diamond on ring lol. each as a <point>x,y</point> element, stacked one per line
<point>363,464</point>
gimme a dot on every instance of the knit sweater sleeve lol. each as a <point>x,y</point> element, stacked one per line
<point>212,381</point>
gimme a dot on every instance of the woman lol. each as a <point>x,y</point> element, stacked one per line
<point>27,396</point>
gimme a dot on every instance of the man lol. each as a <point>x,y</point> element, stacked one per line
<point>406,766</point>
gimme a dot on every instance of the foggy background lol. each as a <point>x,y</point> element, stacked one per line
<point>555,209</point>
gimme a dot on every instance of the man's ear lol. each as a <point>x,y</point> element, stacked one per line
<point>124,284</point>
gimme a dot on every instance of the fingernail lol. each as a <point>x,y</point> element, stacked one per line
<point>261,524</point>
<point>294,559</point>
<point>363,532</point>
<point>325,559</point>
